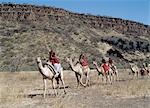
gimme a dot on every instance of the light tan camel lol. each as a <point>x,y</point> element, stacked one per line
<point>135,70</point>
<point>100,70</point>
<point>79,72</point>
<point>115,74</point>
<point>48,72</point>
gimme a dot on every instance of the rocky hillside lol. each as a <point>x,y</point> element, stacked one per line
<point>28,31</point>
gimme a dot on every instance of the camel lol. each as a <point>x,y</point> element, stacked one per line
<point>115,75</point>
<point>104,75</point>
<point>99,70</point>
<point>135,70</point>
<point>148,69</point>
<point>79,72</point>
<point>47,72</point>
<point>145,70</point>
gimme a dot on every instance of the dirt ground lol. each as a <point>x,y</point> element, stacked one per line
<point>25,90</point>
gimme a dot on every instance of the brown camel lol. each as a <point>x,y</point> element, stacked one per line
<point>79,72</point>
<point>145,70</point>
<point>100,70</point>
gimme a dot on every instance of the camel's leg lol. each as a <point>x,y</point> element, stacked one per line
<point>63,83</point>
<point>148,73</point>
<point>134,75</point>
<point>87,80</point>
<point>45,87</point>
<point>116,75</point>
<point>109,77</point>
<point>81,80</point>
<point>113,76</point>
<point>77,77</point>
<point>138,74</point>
<point>57,80</point>
<point>58,85</point>
<point>102,78</point>
<point>98,77</point>
<point>53,86</point>
<point>106,79</point>
<point>115,72</point>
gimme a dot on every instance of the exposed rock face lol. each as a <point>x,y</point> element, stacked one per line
<point>30,12</point>
<point>26,32</point>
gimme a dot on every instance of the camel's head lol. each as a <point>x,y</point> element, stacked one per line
<point>131,64</point>
<point>70,58</point>
<point>94,62</point>
<point>67,59</point>
<point>144,64</point>
<point>38,59</point>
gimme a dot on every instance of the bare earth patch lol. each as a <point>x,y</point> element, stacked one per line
<point>25,90</point>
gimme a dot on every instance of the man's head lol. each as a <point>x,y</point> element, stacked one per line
<point>110,61</point>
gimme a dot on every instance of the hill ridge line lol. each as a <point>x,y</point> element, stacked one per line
<point>23,12</point>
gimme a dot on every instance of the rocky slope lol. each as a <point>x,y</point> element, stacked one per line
<point>28,31</point>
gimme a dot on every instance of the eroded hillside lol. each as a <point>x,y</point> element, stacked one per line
<point>27,31</point>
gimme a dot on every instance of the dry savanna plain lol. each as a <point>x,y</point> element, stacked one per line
<point>25,90</point>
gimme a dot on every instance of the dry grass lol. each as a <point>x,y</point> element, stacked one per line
<point>14,85</point>
<point>16,90</point>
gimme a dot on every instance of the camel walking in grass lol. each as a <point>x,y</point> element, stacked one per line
<point>99,70</point>
<point>148,69</point>
<point>107,76</point>
<point>114,69</point>
<point>48,72</point>
<point>145,70</point>
<point>115,74</point>
<point>79,72</point>
<point>134,69</point>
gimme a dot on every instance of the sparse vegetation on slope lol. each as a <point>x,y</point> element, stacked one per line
<point>27,32</point>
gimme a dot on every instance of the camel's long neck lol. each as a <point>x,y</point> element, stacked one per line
<point>97,68</point>
<point>71,65</point>
<point>40,66</point>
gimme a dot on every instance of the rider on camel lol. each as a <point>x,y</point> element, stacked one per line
<point>84,62</point>
<point>55,62</point>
